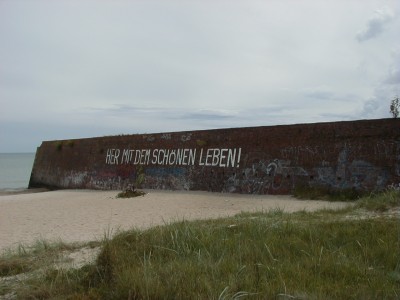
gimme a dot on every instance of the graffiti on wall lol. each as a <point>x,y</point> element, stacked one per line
<point>265,177</point>
<point>174,178</point>
<point>353,155</point>
<point>213,157</point>
<point>185,168</point>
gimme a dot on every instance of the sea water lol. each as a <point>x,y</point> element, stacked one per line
<point>15,170</point>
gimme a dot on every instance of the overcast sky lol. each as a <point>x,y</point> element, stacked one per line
<point>72,69</point>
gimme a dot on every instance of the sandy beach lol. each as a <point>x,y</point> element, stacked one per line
<point>86,215</point>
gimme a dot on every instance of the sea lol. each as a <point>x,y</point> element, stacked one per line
<point>15,170</point>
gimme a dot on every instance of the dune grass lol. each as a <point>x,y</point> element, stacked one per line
<point>265,255</point>
<point>28,263</point>
<point>28,258</point>
<point>380,201</point>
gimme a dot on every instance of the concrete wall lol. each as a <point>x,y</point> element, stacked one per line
<point>364,155</point>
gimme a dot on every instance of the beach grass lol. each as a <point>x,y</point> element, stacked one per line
<point>380,201</point>
<point>28,258</point>
<point>265,255</point>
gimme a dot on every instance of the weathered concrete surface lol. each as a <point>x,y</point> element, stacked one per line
<point>364,155</point>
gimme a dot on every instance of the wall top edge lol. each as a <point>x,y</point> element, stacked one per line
<point>288,126</point>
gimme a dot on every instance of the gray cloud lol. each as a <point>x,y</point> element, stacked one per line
<point>207,115</point>
<point>394,76</point>
<point>121,109</point>
<point>73,69</point>
<point>377,106</point>
<point>375,25</point>
<point>320,92</point>
<point>370,107</point>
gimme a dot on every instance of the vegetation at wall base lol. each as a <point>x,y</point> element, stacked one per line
<point>327,193</point>
<point>130,194</point>
<point>265,255</point>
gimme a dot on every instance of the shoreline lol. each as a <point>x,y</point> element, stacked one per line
<point>89,215</point>
<point>17,191</point>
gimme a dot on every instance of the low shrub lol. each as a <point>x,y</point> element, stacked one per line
<point>130,194</point>
<point>327,193</point>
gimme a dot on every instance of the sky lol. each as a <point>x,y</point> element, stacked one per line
<point>79,68</point>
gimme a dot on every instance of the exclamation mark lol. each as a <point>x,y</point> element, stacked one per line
<point>238,160</point>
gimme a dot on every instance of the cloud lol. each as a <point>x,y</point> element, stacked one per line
<point>393,75</point>
<point>156,66</point>
<point>205,115</point>
<point>377,106</point>
<point>120,109</point>
<point>319,92</point>
<point>375,25</point>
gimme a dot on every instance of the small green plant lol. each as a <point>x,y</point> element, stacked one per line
<point>201,143</point>
<point>59,146</point>
<point>131,190</point>
<point>130,194</point>
<point>394,107</point>
<point>140,177</point>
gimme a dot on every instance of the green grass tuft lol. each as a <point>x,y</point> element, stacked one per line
<point>381,202</point>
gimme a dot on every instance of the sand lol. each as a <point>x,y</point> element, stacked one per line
<point>87,215</point>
